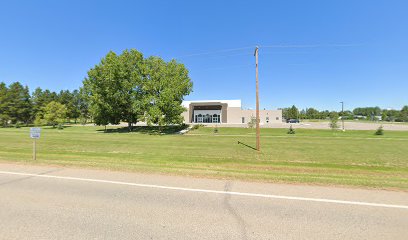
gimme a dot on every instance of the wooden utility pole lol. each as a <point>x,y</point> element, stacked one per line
<point>342,116</point>
<point>258,133</point>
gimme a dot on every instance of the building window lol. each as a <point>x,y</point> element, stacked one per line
<point>200,118</point>
<point>243,119</point>
<point>277,118</point>
<point>216,118</point>
<point>267,119</point>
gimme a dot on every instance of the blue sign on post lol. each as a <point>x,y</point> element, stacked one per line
<point>35,133</point>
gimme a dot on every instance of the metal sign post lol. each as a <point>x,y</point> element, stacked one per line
<point>35,134</point>
<point>34,151</point>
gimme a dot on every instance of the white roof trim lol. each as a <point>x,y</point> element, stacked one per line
<point>231,103</point>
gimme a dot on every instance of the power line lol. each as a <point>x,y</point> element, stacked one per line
<point>214,52</point>
<point>309,45</point>
<point>227,67</point>
<point>217,52</point>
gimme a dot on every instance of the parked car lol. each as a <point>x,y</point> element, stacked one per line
<point>292,120</point>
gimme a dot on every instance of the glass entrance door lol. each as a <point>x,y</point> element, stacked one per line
<point>207,116</point>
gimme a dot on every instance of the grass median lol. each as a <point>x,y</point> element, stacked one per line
<point>324,157</point>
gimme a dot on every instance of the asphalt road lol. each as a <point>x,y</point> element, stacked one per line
<point>42,202</point>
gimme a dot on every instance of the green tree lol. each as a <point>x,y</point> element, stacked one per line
<point>164,86</point>
<point>113,88</point>
<point>36,99</point>
<point>75,106</point>
<point>347,114</point>
<point>4,104</point>
<point>83,105</point>
<point>129,88</point>
<point>55,113</point>
<point>404,113</point>
<point>302,114</point>
<point>368,112</point>
<point>130,73</point>
<point>71,101</point>
<point>312,113</point>
<point>65,98</point>
<point>325,114</point>
<point>19,104</point>
<point>291,113</point>
<point>393,115</point>
<point>334,118</point>
<point>40,99</point>
<point>384,116</point>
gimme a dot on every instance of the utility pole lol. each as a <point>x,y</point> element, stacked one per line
<point>258,133</point>
<point>342,115</point>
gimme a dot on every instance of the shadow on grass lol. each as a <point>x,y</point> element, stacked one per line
<point>54,128</point>
<point>41,126</point>
<point>246,145</point>
<point>152,130</point>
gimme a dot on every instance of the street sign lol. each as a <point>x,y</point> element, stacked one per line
<point>35,133</point>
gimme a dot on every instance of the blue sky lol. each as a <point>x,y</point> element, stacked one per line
<point>312,53</point>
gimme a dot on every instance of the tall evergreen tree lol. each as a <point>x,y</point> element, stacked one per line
<point>83,105</point>
<point>75,105</point>
<point>293,112</point>
<point>4,104</point>
<point>40,99</point>
<point>20,107</point>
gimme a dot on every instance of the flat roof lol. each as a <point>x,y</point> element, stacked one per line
<point>231,103</point>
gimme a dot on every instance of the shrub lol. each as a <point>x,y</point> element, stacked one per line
<point>379,131</point>
<point>252,123</point>
<point>291,130</point>
<point>333,123</point>
<point>17,125</point>
<point>83,120</point>
<point>216,129</point>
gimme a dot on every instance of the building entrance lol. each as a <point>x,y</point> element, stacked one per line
<point>207,116</point>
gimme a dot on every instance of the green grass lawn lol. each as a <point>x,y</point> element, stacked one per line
<point>355,121</point>
<point>357,158</point>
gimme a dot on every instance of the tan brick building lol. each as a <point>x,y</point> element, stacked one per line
<point>225,111</point>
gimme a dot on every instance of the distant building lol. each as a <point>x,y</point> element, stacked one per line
<point>226,111</point>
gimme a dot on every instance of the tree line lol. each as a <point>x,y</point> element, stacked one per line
<point>18,106</point>
<point>369,113</point>
<point>122,87</point>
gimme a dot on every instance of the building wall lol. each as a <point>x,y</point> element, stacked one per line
<point>224,113</point>
<point>186,116</point>
<point>233,114</point>
<point>266,116</point>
